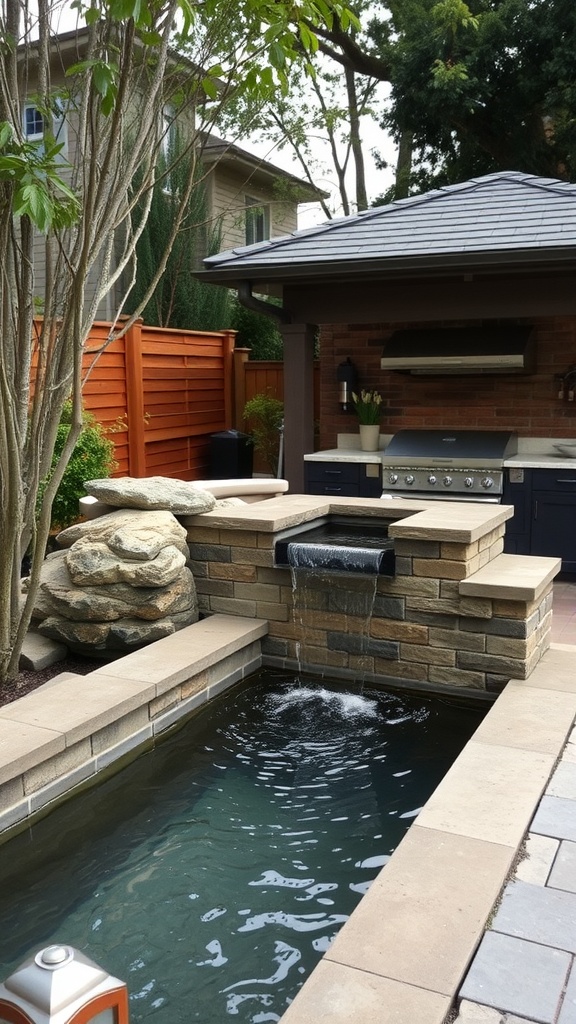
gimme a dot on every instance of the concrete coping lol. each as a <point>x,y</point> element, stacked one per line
<point>460,522</point>
<point>512,577</point>
<point>70,708</point>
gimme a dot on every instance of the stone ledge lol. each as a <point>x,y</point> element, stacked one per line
<point>114,710</point>
<point>512,577</point>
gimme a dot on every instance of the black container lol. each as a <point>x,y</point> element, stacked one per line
<point>231,455</point>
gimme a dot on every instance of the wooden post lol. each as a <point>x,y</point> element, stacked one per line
<point>298,400</point>
<point>135,400</point>
<point>228,359</point>
<point>240,359</point>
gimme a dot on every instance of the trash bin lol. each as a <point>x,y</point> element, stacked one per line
<point>231,455</point>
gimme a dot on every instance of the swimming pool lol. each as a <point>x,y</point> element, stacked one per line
<point>212,873</point>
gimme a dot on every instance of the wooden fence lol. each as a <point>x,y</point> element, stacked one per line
<point>160,393</point>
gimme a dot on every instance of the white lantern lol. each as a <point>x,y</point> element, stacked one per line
<point>59,985</point>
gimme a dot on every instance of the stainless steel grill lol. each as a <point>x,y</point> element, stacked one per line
<point>457,465</point>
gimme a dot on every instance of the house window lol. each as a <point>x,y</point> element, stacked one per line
<point>257,221</point>
<point>34,123</point>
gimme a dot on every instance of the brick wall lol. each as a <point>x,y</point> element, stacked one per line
<point>414,628</point>
<point>526,404</point>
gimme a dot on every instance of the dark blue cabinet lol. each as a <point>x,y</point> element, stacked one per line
<point>544,520</point>
<point>518,492</point>
<point>343,479</point>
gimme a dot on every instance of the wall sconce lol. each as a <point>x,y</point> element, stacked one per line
<point>347,378</point>
<point>59,985</point>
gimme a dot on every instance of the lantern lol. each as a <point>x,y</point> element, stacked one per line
<point>59,985</point>
<point>347,378</point>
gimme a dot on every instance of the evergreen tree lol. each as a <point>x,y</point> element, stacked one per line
<point>179,300</point>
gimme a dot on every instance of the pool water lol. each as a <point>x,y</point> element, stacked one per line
<point>213,872</point>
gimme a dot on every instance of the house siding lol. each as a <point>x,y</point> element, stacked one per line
<point>228,194</point>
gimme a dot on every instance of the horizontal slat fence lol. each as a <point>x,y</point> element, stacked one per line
<point>160,393</point>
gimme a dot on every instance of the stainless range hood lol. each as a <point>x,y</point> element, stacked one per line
<point>461,350</point>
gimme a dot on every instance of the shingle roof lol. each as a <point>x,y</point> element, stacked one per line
<point>499,218</point>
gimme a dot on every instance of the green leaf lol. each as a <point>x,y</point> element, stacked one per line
<point>6,133</point>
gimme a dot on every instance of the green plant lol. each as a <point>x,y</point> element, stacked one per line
<point>92,458</point>
<point>368,406</point>
<point>265,416</point>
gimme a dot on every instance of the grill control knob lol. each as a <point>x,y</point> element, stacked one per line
<point>469,481</point>
<point>487,483</point>
<point>393,478</point>
<point>432,479</point>
<point>409,479</point>
<point>447,481</point>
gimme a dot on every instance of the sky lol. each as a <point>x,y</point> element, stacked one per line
<point>377,181</point>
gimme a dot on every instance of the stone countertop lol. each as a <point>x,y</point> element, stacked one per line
<point>345,455</point>
<point>534,453</point>
<point>541,460</point>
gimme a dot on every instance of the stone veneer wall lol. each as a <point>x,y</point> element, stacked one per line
<point>415,628</point>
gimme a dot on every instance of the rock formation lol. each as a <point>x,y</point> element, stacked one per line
<point>121,582</point>
<point>153,492</point>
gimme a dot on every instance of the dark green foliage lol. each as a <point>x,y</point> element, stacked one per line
<point>180,300</point>
<point>481,87</point>
<point>92,458</point>
<point>257,332</point>
<point>265,416</point>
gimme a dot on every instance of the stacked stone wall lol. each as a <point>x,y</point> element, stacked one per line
<point>414,627</point>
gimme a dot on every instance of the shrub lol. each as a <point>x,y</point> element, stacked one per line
<point>92,458</point>
<point>265,416</point>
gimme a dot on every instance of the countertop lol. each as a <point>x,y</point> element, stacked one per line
<point>534,453</point>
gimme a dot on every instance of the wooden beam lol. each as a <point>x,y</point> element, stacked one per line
<point>298,400</point>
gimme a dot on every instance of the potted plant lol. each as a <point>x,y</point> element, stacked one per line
<point>368,406</point>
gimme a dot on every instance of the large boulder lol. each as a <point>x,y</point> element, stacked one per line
<point>120,583</point>
<point>153,492</point>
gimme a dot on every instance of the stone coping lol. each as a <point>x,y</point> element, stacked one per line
<point>458,521</point>
<point>67,731</point>
<point>512,577</point>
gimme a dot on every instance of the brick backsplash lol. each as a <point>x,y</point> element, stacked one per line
<point>527,404</point>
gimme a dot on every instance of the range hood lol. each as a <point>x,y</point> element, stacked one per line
<point>461,350</point>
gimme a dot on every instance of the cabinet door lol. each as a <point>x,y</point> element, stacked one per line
<point>347,479</point>
<point>554,527</point>
<point>518,492</point>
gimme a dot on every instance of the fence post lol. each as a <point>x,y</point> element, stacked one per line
<point>228,339</point>
<point>240,359</point>
<point>135,400</point>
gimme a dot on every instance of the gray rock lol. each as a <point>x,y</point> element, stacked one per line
<point>106,603</point>
<point>103,639</point>
<point>154,492</point>
<point>126,523</point>
<point>144,542</point>
<point>83,637</point>
<point>40,652</point>
<point>92,563</point>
